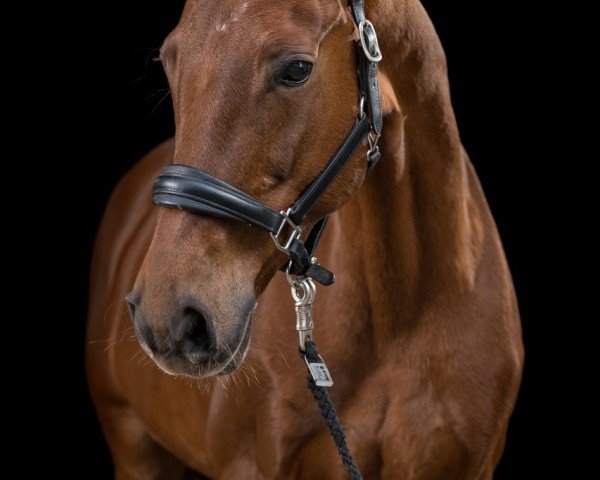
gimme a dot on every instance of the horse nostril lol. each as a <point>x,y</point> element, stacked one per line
<point>198,338</point>
<point>130,305</point>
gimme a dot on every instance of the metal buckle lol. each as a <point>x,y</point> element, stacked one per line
<point>373,139</point>
<point>303,293</point>
<point>361,107</point>
<point>296,231</point>
<point>369,42</point>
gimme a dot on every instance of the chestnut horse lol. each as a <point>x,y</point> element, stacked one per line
<point>421,331</point>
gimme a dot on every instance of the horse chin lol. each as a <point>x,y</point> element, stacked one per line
<point>240,354</point>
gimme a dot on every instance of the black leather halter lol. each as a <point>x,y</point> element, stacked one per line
<point>187,188</point>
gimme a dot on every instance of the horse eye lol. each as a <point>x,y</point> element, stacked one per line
<point>296,73</point>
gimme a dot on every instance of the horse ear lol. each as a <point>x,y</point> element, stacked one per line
<point>333,14</point>
<point>389,100</point>
<point>349,17</point>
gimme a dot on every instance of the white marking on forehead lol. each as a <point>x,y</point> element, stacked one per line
<point>234,16</point>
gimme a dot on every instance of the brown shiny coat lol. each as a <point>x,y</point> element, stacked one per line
<point>421,330</point>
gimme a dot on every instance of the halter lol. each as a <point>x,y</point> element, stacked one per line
<point>187,188</point>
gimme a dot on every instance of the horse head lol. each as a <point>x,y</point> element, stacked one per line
<point>264,92</point>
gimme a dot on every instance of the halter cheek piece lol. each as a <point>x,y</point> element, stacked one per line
<point>187,188</point>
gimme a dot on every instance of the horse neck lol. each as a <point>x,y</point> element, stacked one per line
<point>412,224</point>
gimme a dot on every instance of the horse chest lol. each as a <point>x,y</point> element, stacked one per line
<point>281,436</point>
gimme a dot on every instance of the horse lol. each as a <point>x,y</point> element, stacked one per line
<point>421,330</point>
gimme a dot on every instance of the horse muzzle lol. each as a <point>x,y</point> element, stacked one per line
<point>192,342</point>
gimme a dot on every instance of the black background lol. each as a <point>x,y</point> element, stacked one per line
<point>113,95</point>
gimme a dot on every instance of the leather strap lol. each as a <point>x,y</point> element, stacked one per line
<point>302,264</point>
<point>184,187</point>
<point>358,10</point>
<point>319,185</point>
<point>369,87</point>
<point>315,234</point>
<point>301,255</point>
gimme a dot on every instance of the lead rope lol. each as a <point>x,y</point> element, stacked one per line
<point>335,427</point>
<point>319,378</point>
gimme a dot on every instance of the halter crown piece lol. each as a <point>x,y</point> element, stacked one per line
<point>187,188</point>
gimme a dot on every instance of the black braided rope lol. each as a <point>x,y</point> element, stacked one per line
<point>336,429</point>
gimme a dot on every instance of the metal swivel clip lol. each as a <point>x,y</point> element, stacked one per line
<point>303,293</point>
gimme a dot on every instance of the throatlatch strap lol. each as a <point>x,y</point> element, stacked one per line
<point>315,234</point>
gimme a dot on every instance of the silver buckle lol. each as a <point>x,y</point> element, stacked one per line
<point>296,231</point>
<point>373,139</point>
<point>369,42</point>
<point>361,107</point>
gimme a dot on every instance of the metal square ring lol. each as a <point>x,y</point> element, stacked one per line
<point>296,231</point>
